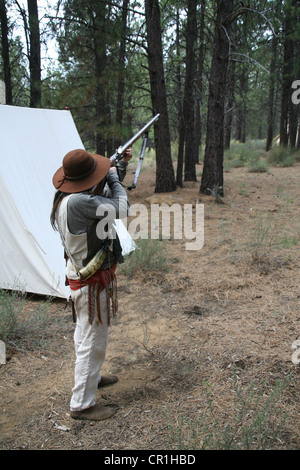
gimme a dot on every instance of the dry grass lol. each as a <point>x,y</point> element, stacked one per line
<point>203,351</point>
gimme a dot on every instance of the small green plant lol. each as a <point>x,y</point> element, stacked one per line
<point>150,255</point>
<point>281,156</point>
<point>288,242</point>
<point>255,423</point>
<point>11,304</point>
<point>257,165</point>
<point>245,155</point>
<point>297,155</point>
<point>263,239</point>
<point>34,329</point>
<point>24,326</point>
<point>266,241</point>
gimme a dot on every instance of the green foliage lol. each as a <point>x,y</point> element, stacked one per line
<point>247,155</point>
<point>11,305</point>
<point>266,241</point>
<point>88,73</point>
<point>257,165</point>
<point>25,326</point>
<point>297,155</point>
<point>252,156</point>
<point>281,156</point>
<point>150,255</point>
<point>263,238</point>
<point>255,422</point>
<point>19,72</point>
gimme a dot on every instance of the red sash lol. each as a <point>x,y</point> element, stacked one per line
<point>105,279</point>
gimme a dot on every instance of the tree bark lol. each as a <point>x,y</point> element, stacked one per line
<point>229,104</point>
<point>297,144</point>
<point>102,108</point>
<point>121,78</point>
<point>244,89</point>
<point>34,55</point>
<point>285,92</point>
<point>270,119</point>
<point>165,180</point>
<point>189,94</point>
<point>293,124</point>
<point>287,73</point>
<point>212,176</point>
<point>181,130</point>
<point>102,105</point>
<point>198,124</point>
<point>298,132</point>
<point>5,52</point>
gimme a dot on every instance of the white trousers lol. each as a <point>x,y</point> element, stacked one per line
<point>90,348</point>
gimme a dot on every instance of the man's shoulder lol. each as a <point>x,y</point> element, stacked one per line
<point>80,201</point>
<point>84,203</point>
<point>76,198</point>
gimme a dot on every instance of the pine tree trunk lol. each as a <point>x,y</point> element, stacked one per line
<point>102,104</point>
<point>5,52</point>
<point>212,176</point>
<point>270,122</point>
<point>189,95</point>
<point>243,91</point>
<point>121,78</point>
<point>180,159</point>
<point>293,124</point>
<point>35,55</point>
<point>286,83</point>
<point>165,179</point>
<point>298,132</point>
<point>181,130</point>
<point>229,104</point>
<point>198,124</point>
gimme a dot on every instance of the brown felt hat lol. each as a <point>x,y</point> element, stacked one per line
<point>80,171</point>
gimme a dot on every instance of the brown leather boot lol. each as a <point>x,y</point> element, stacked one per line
<point>107,380</point>
<point>94,413</point>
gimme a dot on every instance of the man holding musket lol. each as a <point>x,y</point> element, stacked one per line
<point>86,182</point>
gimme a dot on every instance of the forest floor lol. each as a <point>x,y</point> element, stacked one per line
<point>203,351</point>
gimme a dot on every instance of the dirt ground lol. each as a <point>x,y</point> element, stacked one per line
<point>203,352</point>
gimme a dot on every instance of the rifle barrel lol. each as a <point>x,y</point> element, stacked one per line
<point>119,152</point>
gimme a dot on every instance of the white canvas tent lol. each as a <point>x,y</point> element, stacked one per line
<point>32,145</point>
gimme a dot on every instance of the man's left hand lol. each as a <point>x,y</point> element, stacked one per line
<point>128,154</point>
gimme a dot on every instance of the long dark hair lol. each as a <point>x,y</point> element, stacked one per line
<point>59,195</point>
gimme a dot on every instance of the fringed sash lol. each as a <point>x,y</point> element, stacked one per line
<point>105,279</point>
